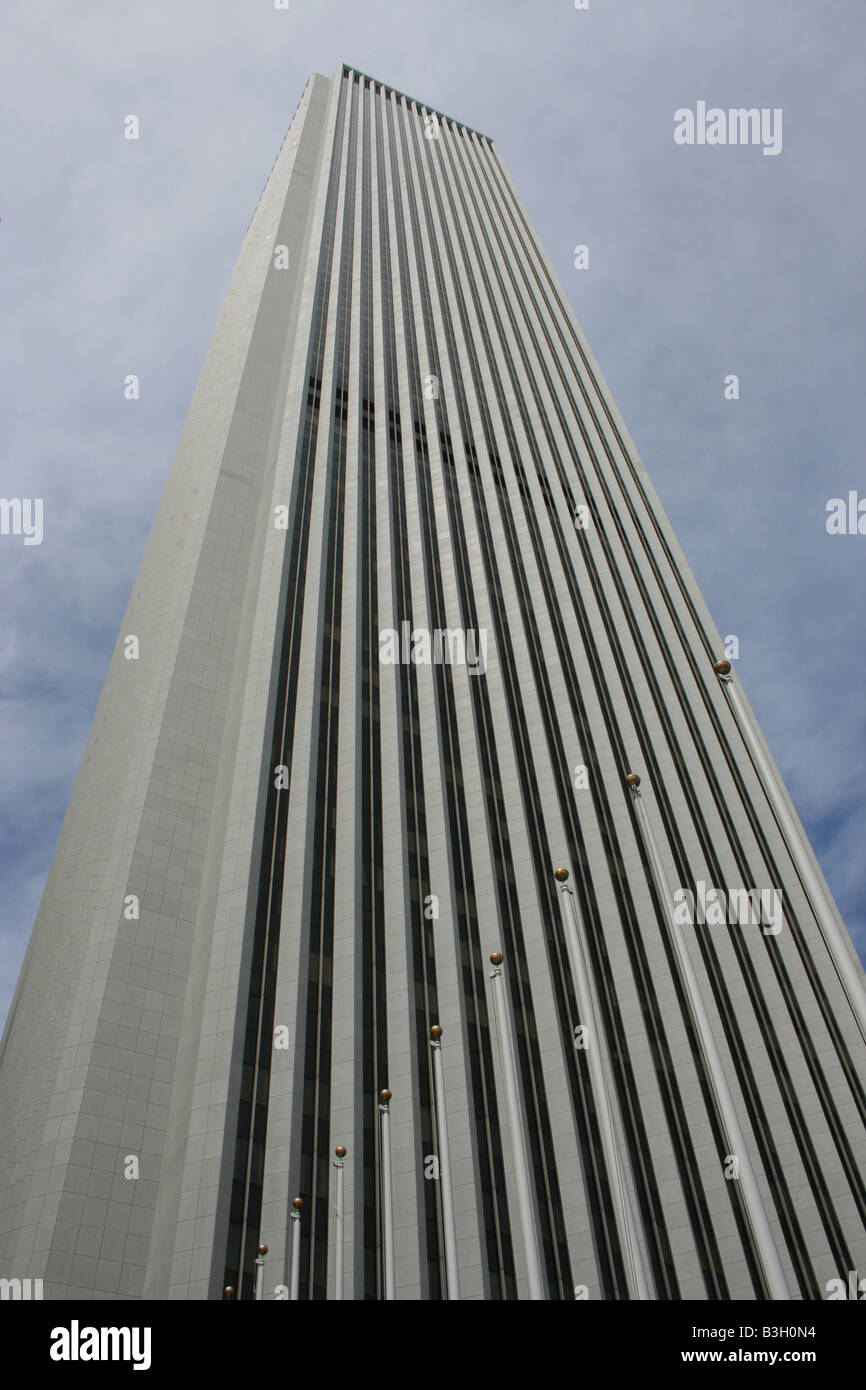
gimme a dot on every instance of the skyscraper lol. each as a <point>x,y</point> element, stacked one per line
<point>414,674</point>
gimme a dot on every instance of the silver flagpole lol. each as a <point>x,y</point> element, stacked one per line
<point>521,1167</point>
<point>849,975</point>
<point>603,1088</point>
<point>766,1247</point>
<point>451,1271</point>
<point>339,1155</point>
<point>387,1194</point>
<point>260,1273</point>
<point>295,1271</point>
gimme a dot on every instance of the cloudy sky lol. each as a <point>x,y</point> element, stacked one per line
<point>703,261</point>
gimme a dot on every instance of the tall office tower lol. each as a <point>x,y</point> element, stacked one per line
<point>408,629</point>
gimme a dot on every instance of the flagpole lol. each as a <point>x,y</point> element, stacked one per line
<point>451,1270</point>
<point>295,1272</point>
<point>339,1156</point>
<point>848,973</point>
<point>521,1167</point>
<point>603,1089</point>
<point>387,1194</point>
<point>768,1255</point>
<point>260,1273</point>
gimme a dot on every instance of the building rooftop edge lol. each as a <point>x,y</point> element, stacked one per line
<point>342,69</point>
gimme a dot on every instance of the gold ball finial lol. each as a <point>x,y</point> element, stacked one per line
<point>228,1291</point>
<point>632,780</point>
<point>341,1151</point>
<point>561,875</point>
<point>723,667</point>
<point>496,958</point>
<point>263,1250</point>
<point>436,1031</point>
<point>297,1203</point>
<point>385,1096</point>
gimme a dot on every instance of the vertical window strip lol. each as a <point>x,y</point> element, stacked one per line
<point>242,1235</point>
<point>496,822</point>
<point>487,1134</point>
<point>374,1017</point>
<point>496,812</point>
<point>315,1116</point>
<point>554,1243</point>
<point>421,950</point>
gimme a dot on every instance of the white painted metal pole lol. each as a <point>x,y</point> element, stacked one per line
<point>339,1252</point>
<point>766,1247</point>
<point>260,1272</point>
<point>387,1194</point>
<point>846,969</point>
<point>295,1272</point>
<point>521,1166</point>
<point>603,1089</point>
<point>451,1271</point>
